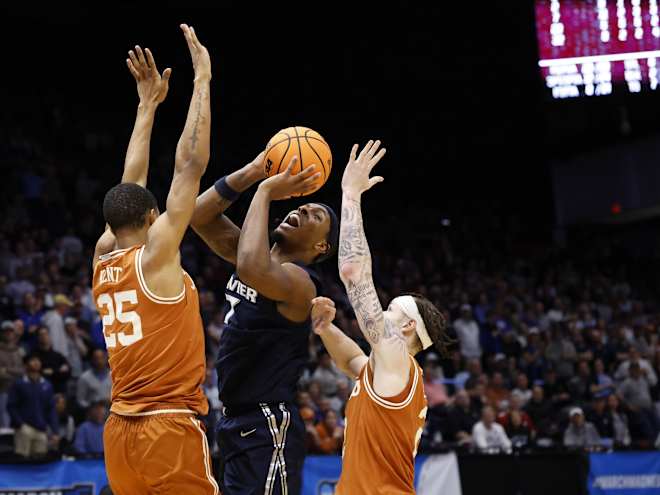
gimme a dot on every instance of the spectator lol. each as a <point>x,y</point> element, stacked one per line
<point>76,347</point>
<point>211,388</point>
<point>54,322</point>
<point>31,314</point>
<point>89,437</point>
<point>214,332</point>
<point>580,433</point>
<point>636,395</point>
<point>496,392</point>
<point>516,429</point>
<point>619,422</point>
<point>311,434</point>
<point>522,388</point>
<point>602,420</point>
<point>489,436</point>
<point>32,411</point>
<point>330,434</point>
<point>623,371</point>
<point>66,427</point>
<point>11,368</point>
<point>20,285</point>
<point>462,417</point>
<point>560,353</point>
<point>327,375</point>
<point>338,402</point>
<point>579,386</point>
<point>602,384</point>
<point>468,333</point>
<point>541,413</point>
<point>516,405</point>
<point>304,399</point>
<point>54,366</point>
<point>471,374</point>
<point>95,384</point>
<point>555,391</point>
<point>435,390</point>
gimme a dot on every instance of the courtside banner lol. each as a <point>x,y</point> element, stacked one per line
<point>438,474</point>
<point>56,478</point>
<point>624,474</point>
<point>433,474</point>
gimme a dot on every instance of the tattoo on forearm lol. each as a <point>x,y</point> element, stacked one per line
<point>198,111</point>
<point>354,250</point>
<point>353,245</point>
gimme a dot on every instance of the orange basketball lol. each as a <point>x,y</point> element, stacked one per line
<point>303,142</point>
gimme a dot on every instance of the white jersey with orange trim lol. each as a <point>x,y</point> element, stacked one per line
<point>381,437</point>
<point>155,344</point>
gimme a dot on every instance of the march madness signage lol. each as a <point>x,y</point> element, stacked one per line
<point>624,474</point>
<point>83,489</point>
<point>83,477</point>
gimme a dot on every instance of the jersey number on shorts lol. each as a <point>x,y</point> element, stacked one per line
<point>233,301</point>
<point>116,312</point>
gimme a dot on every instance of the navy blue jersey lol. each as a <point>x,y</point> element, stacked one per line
<point>262,354</point>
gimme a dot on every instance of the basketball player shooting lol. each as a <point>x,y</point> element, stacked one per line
<point>386,411</point>
<point>264,345</point>
<point>151,322</point>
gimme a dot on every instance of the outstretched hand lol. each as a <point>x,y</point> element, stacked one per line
<point>287,184</point>
<point>152,87</point>
<point>356,178</point>
<point>198,53</point>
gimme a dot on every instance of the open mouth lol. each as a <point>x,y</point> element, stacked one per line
<point>293,220</point>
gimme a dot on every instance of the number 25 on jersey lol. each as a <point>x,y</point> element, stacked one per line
<point>114,305</point>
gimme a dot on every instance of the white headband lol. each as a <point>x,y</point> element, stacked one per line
<point>409,307</point>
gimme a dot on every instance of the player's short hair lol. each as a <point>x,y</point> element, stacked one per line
<point>333,235</point>
<point>435,322</point>
<point>127,205</point>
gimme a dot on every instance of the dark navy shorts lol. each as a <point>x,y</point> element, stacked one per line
<point>262,450</point>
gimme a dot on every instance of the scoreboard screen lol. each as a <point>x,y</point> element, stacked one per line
<point>598,47</point>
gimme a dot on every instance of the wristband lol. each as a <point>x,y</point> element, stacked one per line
<point>225,191</point>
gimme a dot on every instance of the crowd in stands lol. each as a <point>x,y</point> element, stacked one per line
<point>552,349</point>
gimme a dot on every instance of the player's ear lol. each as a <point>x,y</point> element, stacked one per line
<point>322,247</point>
<point>410,327</point>
<point>153,215</point>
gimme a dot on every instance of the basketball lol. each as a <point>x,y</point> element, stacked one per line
<point>307,144</point>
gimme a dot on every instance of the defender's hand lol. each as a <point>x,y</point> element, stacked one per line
<point>151,86</point>
<point>285,184</point>
<point>198,53</point>
<point>323,313</point>
<point>356,178</point>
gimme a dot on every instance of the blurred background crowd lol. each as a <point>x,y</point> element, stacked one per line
<point>555,348</point>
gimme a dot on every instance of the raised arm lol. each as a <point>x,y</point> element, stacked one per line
<point>283,282</point>
<point>216,230</point>
<point>152,89</point>
<point>343,350</point>
<point>387,341</point>
<point>192,156</point>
